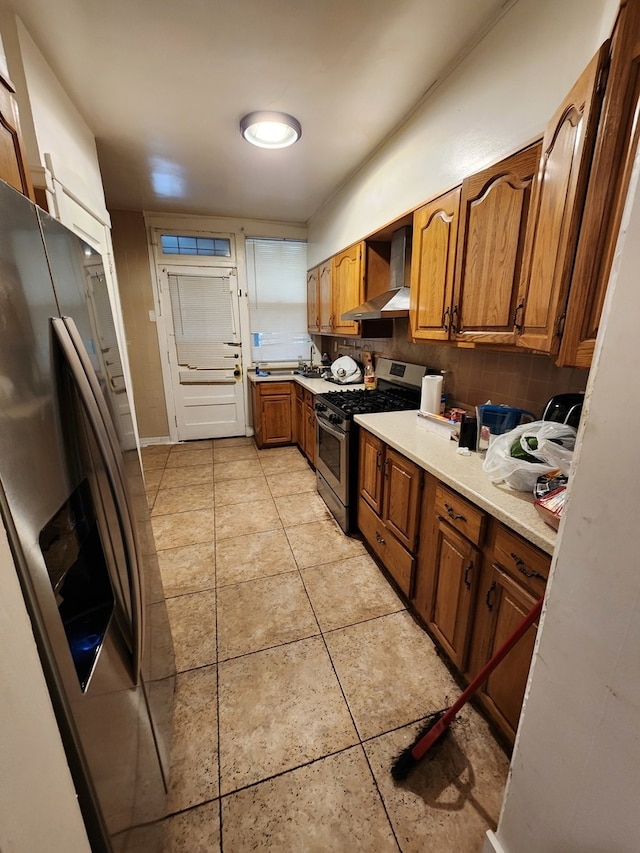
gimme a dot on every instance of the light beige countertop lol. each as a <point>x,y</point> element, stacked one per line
<point>316,386</point>
<point>437,454</point>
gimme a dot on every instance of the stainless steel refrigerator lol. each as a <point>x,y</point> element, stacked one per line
<point>73,503</point>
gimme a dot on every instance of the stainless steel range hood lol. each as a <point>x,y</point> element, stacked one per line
<point>395,301</point>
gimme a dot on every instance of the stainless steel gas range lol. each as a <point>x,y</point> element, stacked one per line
<point>399,388</point>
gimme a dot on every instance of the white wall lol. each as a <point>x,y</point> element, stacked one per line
<point>38,806</point>
<point>64,139</point>
<point>575,773</point>
<point>499,98</point>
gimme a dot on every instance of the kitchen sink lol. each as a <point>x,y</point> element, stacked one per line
<point>310,373</point>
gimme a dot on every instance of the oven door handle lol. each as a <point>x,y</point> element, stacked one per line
<point>336,433</point>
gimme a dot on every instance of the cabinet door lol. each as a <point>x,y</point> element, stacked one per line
<point>613,158</point>
<point>13,165</point>
<point>556,212</point>
<point>299,432</point>
<point>395,558</point>
<point>507,604</point>
<point>455,566</point>
<point>256,413</point>
<point>347,284</point>
<point>370,468</point>
<point>402,488</point>
<point>494,209</point>
<point>310,433</point>
<point>324,297</point>
<point>432,264</point>
<point>313,306</point>
<point>276,419</point>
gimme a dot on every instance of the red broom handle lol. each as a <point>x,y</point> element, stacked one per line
<point>444,722</point>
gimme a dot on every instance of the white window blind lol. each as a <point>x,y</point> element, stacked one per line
<point>277,282</point>
<point>202,318</point>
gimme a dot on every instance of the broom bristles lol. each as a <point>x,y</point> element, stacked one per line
<point>405,760</point>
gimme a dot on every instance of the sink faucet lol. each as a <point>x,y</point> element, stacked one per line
<point>311,358</point>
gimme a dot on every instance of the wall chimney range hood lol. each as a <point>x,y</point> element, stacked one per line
<point>394,302</point>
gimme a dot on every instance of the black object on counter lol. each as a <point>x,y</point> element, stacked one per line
<point>468,431</point>
<point>564,409</point>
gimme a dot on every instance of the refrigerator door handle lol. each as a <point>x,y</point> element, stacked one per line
<point>95,407</point>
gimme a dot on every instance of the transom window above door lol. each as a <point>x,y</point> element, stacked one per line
<point>190,245</point>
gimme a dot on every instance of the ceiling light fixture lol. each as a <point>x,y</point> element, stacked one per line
<point>270,129</point>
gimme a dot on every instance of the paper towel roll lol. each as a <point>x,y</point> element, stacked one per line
<point>431,394</point>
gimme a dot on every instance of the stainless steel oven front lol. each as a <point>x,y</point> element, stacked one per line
<point>333,458</point>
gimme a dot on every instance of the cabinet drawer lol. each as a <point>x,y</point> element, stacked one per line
<point>460,513</point>
<point>299,391</point>
<point>521,560</point>
<point>269,389</point>
<point>396,559</point>
<point>308,397</point>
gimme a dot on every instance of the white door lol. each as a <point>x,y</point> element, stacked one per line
<point>202,330</point>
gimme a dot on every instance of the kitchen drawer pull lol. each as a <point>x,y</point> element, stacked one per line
<point>487,599</point>
<point>380,539</point>
<point>467,572</point>
<point>528,573</point>
<point>456,516</point>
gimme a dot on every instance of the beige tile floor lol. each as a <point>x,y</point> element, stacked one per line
<point>300,673</point>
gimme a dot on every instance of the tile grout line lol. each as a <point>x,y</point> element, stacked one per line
<point>215,583</point>
<point>359,736</point>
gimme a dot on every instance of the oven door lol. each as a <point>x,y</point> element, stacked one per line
<point>332,457</point>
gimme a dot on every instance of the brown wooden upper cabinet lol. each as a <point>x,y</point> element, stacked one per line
<point>319,299</point>
<point>613,157</point>
<point>494,209</point>
<point>556,212</point>
<point>344,282</point>
<point>433,257</point>
<point>13,165</point>
<point>347,285</point>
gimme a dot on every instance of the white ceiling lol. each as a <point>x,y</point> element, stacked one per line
<point>164,83</point>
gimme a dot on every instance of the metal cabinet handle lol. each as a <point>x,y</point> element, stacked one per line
<point>378,457</point>
<point>518,325</point>
<point>467,574</point>
<point>386,469</point>
<point>452,325</point>
<point>380,539</point>
<point>487,599</point>
<point>521,567</point>
<point>456,516</point>
<point>445,320</point>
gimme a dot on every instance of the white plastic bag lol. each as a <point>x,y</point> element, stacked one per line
<point>534,440</point>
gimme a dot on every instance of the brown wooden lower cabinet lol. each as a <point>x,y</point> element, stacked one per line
<point>273,409</point>
<point>469,578</point>
<point>513,578</point>
<point>390,486</point>
<point>305,420</point>
<point>448,567</point>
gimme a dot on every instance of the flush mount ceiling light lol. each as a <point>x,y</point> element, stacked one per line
<point>270,130</point>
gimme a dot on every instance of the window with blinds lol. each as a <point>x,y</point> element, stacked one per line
<point>277,285</point>
<point>203,319</point>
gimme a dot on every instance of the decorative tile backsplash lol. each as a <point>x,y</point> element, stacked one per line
<point>474,376</point>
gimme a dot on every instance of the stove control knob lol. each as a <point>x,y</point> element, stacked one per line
<point>320,407</point>
<point>335,419</point>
